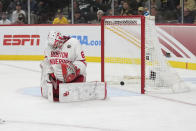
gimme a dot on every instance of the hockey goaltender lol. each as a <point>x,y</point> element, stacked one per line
<point>63,77</point>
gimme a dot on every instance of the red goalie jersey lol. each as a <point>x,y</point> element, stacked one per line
<point>65,58</point>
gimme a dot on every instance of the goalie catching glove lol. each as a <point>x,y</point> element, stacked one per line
<point>69,71</point>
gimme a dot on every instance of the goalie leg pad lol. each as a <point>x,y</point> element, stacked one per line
<point>50,93</point>
<point>44,89</point>
<point>53,93</point>
<point>70,92</point>
<point>55,88</point>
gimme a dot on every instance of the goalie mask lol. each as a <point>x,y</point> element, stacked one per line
<point>55,40</point>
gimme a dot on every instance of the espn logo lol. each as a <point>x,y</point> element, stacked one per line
<point>21,40</point>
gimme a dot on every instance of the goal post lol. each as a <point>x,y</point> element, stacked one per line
<point>131,53</point>
<point>142,28</point>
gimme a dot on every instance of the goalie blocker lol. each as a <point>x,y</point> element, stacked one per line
<point>70,92</point>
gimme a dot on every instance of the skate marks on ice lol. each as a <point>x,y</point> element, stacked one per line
<point>186,98</point>
<point>20,67</point>
<point>22,124</point>
<point>173,100</point>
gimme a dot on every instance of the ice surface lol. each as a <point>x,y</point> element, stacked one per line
<point>23,108</point>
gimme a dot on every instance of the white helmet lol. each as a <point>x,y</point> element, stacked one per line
<point>55,40</point>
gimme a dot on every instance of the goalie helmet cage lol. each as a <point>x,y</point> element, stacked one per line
<point>131,52</point>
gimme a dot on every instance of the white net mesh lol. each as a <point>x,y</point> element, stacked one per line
<point>122,45</point>
<point>161,76</point>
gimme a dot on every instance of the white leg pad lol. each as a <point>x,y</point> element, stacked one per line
<point>44,87</point>
<point>50,92</point>
<point>69,92</point>
<point>45,70</point>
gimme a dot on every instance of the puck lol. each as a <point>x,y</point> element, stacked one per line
<point>122,83</point>
<point>2,121</point>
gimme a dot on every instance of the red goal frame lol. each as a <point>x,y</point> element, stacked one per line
<point>142,18</point>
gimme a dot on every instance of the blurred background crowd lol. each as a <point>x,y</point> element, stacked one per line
<point>91,11</point>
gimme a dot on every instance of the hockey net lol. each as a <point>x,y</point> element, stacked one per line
<point>131,55</point>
